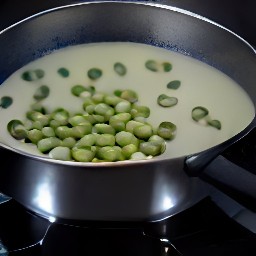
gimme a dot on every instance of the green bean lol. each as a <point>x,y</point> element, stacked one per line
<point>124,138</point>
<point>166,101</point>
<point>61,153</point>
<point>167,130</point>
<point>156,138</point>
<point>64,72</point>
<point>48,131</point>
<point>32,75</point>
<point>55,124</point>
<point>167,66</point>
<point>120,68</point>
<point>94,73</point>
<point>80,130</point>
<point>28,124</point>
<point>124,117</point>
<point>123,107</point>
<point>117,93</point>
<point>138,156</point>
<point>17,129</point>
<point>47,144</point>
<point>215,123</point>
<point>63,132</point>
<point>61,115</point>
<point>199,113</point>
<point>151,65</point>
<point>38,107</point>
<point>34,135</point>
<point>82,91</point>
<point>155,66</point>
<point>118,125</point>
<point>112,100</point>
<point>87,101</point>
<point>77,120</point>
<point>104,129</point>
<point>77,90</point>
<point>141,111</point>
<point>98,118</point>
<point>90,118</point>
<point>175,84</point>
<point>131,125</point>
<point>37,125</point>
<point>98,97</point>
<point>42,92</point>
<point>129,95</point>
<point>69,142</point>
<point>143,131</point>
<point>103,140</point>
<point>86,140</point>
<point>104,109</point>
<point>38,116</point>
<point>128,150</point>
<point>85,154</point>
<point>6,102</point>
<point>109,154</point>
<point>140,119</point>
<point>151,148</point>
<point>90,109</point>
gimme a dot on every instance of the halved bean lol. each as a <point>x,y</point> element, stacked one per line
<point>199,113</point>
<point>167,130</point>
<point>17,129</point>
<point>215,123</point>
<point>166,101</point>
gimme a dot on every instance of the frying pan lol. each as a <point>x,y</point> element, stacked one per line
<point>137,190</point>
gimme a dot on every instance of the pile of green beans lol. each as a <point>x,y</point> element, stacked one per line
<point>111,127</point>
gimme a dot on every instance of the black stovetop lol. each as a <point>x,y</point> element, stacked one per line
<point>202,230</point>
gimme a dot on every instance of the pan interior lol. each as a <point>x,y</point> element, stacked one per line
<point>200,85</point>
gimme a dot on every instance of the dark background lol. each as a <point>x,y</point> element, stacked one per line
<point>238,16</point>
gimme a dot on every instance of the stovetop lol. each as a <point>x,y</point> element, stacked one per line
<point>203,229</point>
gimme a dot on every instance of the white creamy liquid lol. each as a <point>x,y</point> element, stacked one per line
<point>201,85</point>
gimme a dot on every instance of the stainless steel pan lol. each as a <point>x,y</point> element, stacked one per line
<point>136,191</point>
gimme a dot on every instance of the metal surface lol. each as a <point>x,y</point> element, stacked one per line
<point>138,191</point>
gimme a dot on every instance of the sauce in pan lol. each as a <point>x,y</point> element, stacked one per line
<point>197,84</point>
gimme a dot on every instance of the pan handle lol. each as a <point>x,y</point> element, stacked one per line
<point>232,170</point>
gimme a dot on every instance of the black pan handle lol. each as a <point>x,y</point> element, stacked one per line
<point>231,168</point>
